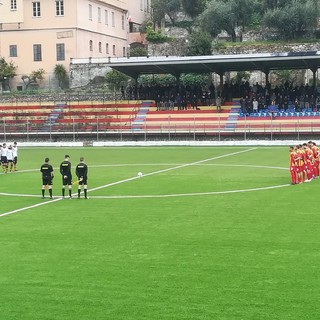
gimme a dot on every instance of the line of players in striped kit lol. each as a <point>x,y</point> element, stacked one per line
<point>304,162</point>
<point>9,157</point>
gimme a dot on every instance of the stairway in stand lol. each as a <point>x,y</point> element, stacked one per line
<point>139,121</point>
<point>232,120</point>
<point>53,116</point>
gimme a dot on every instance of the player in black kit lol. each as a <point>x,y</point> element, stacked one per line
<point>82,174</point>
<point>65,170</point>
<point>47,176</point>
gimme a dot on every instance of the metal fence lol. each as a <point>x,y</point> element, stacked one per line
<point>98,131</point>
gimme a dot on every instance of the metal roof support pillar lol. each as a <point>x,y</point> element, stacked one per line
<point>136,87</point>
<point>266,72</point>
<point>314,76</point>
<point>220,86</point>
<point>177,76</point>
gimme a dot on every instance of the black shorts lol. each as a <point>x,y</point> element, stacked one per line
<point>4,160</point>
<point>83,181</point>
<point>67,181</point>
<point>47,181</point>
<point>15,160</point>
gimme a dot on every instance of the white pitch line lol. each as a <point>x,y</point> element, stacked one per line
<point>245,165</point>
<point>18,195</point>
<point>29,207</point>
<point>189,194</point>
<point>130,179</point>
<point>158,165</point>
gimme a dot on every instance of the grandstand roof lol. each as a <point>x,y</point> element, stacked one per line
<point>134,66</point>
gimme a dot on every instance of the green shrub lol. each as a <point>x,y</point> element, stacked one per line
<point>156,36</point>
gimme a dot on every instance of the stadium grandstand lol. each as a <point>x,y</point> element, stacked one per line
<point>175,111</point>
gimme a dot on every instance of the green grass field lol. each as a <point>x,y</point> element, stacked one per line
<point>205,233</point>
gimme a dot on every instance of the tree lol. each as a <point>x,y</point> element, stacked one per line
<point>60,73</point>
<point>33,78</point>
<point>192,79</point>
<point>289,76</point>
<point>243,10</point>
<point>217,17</point>
<point>241,76</point>
<point>7,71</point>
<point>293,20</point>
<point>193,7</point>
<point>138,52</point>
<point>227,16</point>
<point>116,80</point>
<point>274,4</point>
<point>200,44</point>
<point>157,79</point>
<point>160,8</point>
<point>155,36</point>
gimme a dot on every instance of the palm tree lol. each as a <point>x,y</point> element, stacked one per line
<point>60,73</point>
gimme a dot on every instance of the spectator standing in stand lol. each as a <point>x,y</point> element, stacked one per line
<point>219,103</point>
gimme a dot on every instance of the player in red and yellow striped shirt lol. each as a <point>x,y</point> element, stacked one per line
<point>292,165</point>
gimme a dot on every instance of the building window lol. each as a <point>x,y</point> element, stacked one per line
<point>122,22</point>
<point>90,12</point>
<point>90,45</point>
<point>107,48</point>
<point>114,50</point>
<point>100,47</point>
<point>124,51</point>
<point>60,52</point>
<point>106,22</point>
<point>13,50</point>
<point>99,15</point>
<point>112,19</point>
<point>37,56</point>
<point>59,8</point>
<point>36,12</point>
<point>13,5</point>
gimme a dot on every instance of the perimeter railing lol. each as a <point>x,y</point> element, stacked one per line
<point>99,129</point>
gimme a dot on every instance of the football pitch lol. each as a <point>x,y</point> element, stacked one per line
<point>204,233</point>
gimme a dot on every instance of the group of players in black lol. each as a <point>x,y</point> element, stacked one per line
<point>65,171</point>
